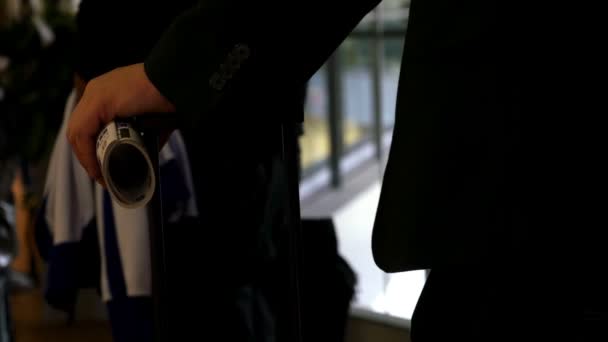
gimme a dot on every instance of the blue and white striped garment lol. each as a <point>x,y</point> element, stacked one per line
<point>79,227</point>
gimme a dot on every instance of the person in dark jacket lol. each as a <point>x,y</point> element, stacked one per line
<point>206,295</point>
<point>480,179</point>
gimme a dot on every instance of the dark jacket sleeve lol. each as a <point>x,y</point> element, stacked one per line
<point>225,48</point>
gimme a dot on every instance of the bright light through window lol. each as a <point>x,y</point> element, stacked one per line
<point>392,294</point>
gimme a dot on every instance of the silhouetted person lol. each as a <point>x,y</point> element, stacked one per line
<point>478,184</point>
<point>207,294</point>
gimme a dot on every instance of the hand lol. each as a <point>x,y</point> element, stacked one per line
<point>120,93</point>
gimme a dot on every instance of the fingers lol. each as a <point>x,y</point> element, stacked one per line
<point>84,147</point>
<point>122,92</point>
<point>84,126</point>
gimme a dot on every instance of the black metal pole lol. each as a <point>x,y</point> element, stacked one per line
<point>334,81</point>
<point>157,245</point>
<point>289,136</point>
<point>377,46</point>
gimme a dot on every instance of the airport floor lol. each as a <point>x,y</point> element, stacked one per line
<point>28,311</point>
<point>353,209</point>
<point>385,296</point>
<point>34,322</point>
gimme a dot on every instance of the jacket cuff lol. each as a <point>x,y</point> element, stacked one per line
<point>195,60</point>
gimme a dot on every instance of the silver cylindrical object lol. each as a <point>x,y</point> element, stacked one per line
<point>125,165</point>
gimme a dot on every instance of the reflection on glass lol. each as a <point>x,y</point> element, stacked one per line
<point>315,143</point>
<point>394,14</point>
<point>388,294</point>
<point>393,50</point>
<point>356,91</point>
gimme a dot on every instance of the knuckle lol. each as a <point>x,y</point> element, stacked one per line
<point>92,84</point>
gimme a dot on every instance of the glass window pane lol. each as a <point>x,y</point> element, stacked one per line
<point>395,14</point>
<point>391,67</point>
<point>357,95</point>
<point>315,143</point>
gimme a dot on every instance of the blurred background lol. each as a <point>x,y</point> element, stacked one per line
<point>349,116</point>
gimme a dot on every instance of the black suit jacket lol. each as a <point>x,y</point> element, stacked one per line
<point>474,159</point>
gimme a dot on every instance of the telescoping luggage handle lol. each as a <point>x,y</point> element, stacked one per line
<point>289,141</point>
<point>148,137</point>
<point>150,133</point>
<point>158,251</point>
<point>127,152</point>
